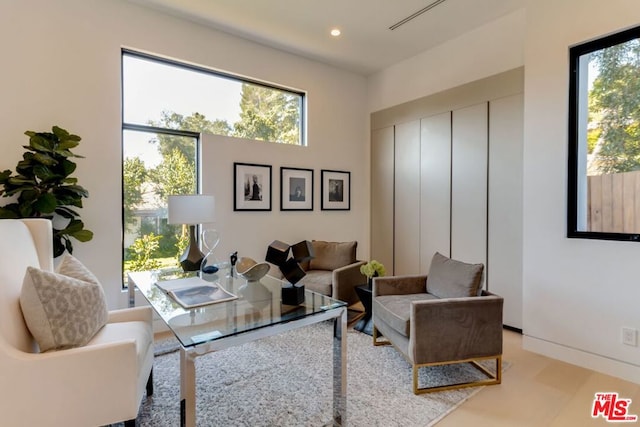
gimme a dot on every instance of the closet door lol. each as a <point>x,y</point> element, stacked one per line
<point>382,177</point>
<point>505,204</point>
<point>435,187</point>
<point>469,184</point>
<point>407,199</point>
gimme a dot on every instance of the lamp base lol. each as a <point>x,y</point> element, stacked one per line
<point>191,258</point>
<point>292,294</point>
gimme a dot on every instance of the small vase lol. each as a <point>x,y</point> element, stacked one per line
<point>210,263</point>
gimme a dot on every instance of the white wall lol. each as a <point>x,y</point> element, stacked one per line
<point>577,293</point>
<point>250,232</point>
<point>483,52</point>
<point>61,66</point>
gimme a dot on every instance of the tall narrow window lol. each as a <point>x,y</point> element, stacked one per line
<point>604,138</point>
<point>166,105</point>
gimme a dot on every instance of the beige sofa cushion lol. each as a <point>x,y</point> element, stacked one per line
<point>63,310</point>
<point>332,255</point>
<point>449,278</point>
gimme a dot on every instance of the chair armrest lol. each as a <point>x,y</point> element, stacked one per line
<point>345,279</point>
<point>451,329</point>
<point>399,285</point>
<point>135,314</point>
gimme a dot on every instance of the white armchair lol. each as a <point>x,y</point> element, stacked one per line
<point>100,383</point>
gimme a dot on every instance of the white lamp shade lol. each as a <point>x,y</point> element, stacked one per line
<point>191,209</point>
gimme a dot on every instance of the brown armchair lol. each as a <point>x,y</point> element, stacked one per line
<point>441,319</point>
<point>334,270</point>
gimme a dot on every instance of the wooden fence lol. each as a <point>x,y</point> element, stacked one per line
<point>614,203</point>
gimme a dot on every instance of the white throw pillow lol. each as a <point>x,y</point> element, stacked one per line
<point>64,309</point>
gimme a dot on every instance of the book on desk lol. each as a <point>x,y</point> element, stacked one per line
<point>194,292</point>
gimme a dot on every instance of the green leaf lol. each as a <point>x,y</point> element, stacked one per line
<point>74,226</point>
<point>20,180</point>
<point>45,159</point>
<point>58,247</point>
<point>66,212</point>
<point>82,235</point>
<point>68,144</point>
<point>9,211</point>
<point>38,143</point>
<point>46,203</point>
<point>59,132</point>
<point>68,167</point>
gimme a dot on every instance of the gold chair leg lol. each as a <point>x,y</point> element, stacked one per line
<point>375,336</point>
<point>490,380</point>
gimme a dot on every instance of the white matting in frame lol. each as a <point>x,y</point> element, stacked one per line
<point>336,190</point>
<point>296,189</point>
<point>252,187</point>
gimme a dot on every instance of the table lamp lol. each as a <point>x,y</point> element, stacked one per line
<point>191,210</point>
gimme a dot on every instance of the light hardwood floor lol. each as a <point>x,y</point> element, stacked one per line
<point>539,391</point>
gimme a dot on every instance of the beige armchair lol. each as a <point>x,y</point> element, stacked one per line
<point>334,270</point>
<point>96,384</point>
<point>441,319</point>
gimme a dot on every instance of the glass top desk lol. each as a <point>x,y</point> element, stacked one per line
<point>257,313</point>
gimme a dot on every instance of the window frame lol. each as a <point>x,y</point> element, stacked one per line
<point>575,104</point>
<point>230,76</point>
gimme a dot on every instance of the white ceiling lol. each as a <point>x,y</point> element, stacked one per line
<point>366,44</point>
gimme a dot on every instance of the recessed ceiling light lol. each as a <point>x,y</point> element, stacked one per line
<point>335,32</point>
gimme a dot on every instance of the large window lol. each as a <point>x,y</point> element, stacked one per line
<point>604,138</point>
<point>166,105</point>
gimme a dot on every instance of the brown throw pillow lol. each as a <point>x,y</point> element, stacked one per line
<point>332,255</point>
<point>449,278</point>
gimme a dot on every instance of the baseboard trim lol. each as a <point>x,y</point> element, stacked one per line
<point>605,365</point>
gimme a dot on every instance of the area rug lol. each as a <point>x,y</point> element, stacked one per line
<point>286,380</point>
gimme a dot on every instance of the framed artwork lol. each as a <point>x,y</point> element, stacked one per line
<point>296,189</point>
<point>251,187</point>
<point>336,190</point>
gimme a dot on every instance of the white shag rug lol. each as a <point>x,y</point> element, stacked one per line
<point>286,380</point>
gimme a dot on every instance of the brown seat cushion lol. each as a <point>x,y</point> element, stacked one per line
<point>318,281</point>
<point>449,278</point>
<point>395,310</point>
<point>332,255</point>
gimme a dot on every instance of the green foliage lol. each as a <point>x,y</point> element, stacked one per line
<point>134,175</point>
<point>615,107</point>
<point>175,175</point>
<point>196,123</point>
<point>182,242</point>
<point>44,186</point>
<point>268,114</point>
<point>142,252</point>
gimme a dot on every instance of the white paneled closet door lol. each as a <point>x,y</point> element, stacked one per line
<point>382,178</point>
<point>504,278</point>
<point>435,187</point>
<point>407,199</point>
<point>469,184</point>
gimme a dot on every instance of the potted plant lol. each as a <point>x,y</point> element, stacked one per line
<point>372,269</point>
<point>44,187</point>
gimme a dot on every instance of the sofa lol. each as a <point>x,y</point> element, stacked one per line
<point>439,319</point>
<point>334,270</point>
<point>46,379</point>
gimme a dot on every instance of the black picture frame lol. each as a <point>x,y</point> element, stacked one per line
<point>251,187</point>
<point>296,189</point>
<point>335,189</point>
